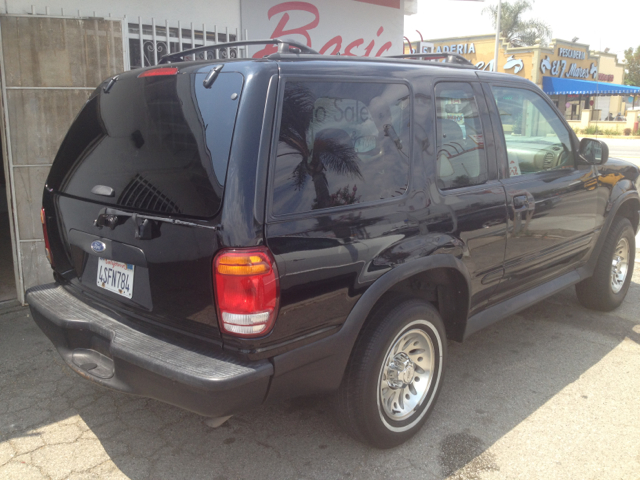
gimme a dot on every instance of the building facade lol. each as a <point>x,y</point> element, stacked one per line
<point>585,85</point>
<point>52,56</point>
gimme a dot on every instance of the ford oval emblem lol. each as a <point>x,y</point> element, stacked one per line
<point>98,246</point>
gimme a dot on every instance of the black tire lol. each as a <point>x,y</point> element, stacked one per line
<point>597,292</point>
<point>358,400</point>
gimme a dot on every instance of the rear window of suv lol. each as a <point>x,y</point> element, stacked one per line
<point>341,143</point>
<point>161,143</point>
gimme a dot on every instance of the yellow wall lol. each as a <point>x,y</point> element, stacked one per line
<point>532,57</point>
<point>609,65</point>
<point>561,58</point>
<point>484,46</point>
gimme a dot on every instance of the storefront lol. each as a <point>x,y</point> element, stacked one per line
<point>54,53</point>
<point>586,86</point>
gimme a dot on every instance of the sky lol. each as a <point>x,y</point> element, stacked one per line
<point>615,26</point>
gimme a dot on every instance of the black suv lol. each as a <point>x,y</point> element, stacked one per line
<point>227,233</point>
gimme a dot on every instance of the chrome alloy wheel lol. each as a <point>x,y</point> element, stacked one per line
<point>620,265</point>
<point>406,375</point>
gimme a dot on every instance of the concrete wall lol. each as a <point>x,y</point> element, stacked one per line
<point>51,65</point>
<point>223,13</point>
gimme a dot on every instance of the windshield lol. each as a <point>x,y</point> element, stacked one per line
<point>161,144</point>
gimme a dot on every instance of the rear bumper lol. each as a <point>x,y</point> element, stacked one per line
<point>102,349</point>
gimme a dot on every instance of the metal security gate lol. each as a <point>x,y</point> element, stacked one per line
<point>147,43</point>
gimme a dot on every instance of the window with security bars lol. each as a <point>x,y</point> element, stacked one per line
<point>149,43</point>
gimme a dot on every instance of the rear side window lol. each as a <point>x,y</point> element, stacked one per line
<point>341,143</point>
<point>161,143</point>
<point>460,142</point>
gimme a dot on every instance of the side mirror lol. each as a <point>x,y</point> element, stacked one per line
<point>593,151</point>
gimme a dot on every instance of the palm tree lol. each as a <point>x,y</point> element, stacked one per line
<point>516,31</point>
<point>330,149</point>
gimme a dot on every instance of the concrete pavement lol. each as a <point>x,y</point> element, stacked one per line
<point>549,393</point>
<point>626,149</point>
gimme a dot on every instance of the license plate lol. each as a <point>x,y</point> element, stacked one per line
<point>116,277</point>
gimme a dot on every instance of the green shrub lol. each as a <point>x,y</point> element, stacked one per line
<point>592,130</point>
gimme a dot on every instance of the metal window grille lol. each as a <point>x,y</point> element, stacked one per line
<point>144,44</point>
<point>147,43</point>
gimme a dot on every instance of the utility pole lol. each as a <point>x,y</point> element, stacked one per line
<point>495,56</point>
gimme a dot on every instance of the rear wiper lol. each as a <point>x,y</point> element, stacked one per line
<point>111,217</point>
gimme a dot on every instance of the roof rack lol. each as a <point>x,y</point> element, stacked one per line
<point>455,58</point>
<point>284,46</point>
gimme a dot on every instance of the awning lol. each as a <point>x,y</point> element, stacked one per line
<point>562,86</point>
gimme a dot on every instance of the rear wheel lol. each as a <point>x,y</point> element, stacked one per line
<point>608,286</point>
<point>394,375</point>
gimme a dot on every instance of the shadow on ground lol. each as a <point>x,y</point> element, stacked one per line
<point>59,423</point>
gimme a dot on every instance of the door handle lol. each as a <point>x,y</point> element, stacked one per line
<point>520,201</point>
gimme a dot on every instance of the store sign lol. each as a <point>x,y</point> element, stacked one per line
<point>568,53</point>
<point>460,48</point>
<point>486,67</point>
<point>512,63</point>
<point>605,78</point>
<point>425,47</point>
<point>561,68</point>
<point>361,28</point>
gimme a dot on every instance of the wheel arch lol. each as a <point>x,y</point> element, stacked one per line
<point>629,208</point>
<point>319,367</point>
<point>626,205</point>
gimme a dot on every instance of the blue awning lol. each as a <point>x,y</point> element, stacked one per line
<point>566,86</point>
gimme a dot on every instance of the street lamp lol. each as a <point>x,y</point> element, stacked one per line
<point>495,56</point>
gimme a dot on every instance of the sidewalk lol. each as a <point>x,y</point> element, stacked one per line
<point>548,393</point>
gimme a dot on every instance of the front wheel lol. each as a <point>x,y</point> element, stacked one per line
<point>608,286</point>
<point>394,374</point>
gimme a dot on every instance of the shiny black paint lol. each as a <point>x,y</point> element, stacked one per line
<point>328,260</point>
<point>175,288</point>
<point>551,213</point>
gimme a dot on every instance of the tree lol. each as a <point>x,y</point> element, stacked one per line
<point>327,151</point>
<point>632,67</point>
<point>516,31</point>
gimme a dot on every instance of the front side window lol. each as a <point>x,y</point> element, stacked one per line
<point>460,143</point>
<point>341,143</point>
<point>535,138</point>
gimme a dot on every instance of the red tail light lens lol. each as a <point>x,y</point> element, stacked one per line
<point>159,72</point>
<point>247,291</point>
<point>47,247</point>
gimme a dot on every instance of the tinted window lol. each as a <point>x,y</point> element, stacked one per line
<point>162,143</point>
<point>460,142</point>
<point>341,144</point>
<point>535,137</point>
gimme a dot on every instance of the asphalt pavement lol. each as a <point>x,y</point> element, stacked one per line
<point>624,148</point>
<point>551,392</point>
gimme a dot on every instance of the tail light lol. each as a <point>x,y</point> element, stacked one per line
<point>47,247</point>
<point>159,72</point>
<point>247,291</point>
